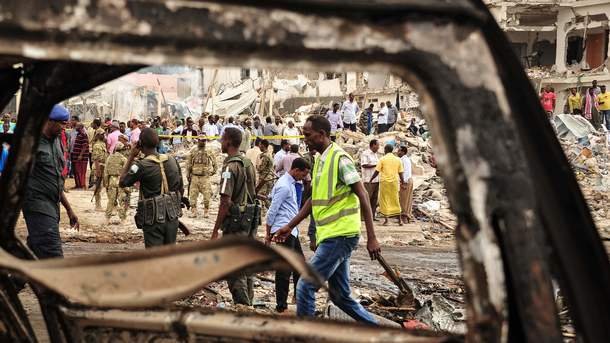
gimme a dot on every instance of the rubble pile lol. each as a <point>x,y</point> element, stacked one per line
<point>589,158</point>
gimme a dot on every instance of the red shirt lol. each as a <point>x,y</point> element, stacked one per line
<point>548,100</point>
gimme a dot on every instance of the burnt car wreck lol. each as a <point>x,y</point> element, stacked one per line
<point>522,219</point>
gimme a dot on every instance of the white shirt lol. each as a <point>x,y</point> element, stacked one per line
<point>350,109</point>
<point>382,117</point>
<point>211,130</point>
<point>369,157</point>
<point>292,132</point>
<point>406,165</point>
<point>277,159</point>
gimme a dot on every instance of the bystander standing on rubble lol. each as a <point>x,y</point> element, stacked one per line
<point>254,152</point>
<point>45,190</point>
<point>245,137</point>
<point>177,133</point>
<point>336,123</point>
<point>595,88</point>
<point>368,115</point>
<point>603,100</point>
<point>161,189</point>
<point>382,119</point>
<point>79,156</point>
<point>390,170</point>
<point>123,127</point>
<point>336,202</point>
<point>286,163</point>
<point>392,114</point>
<point>548,99</point>
<point>237,201</point>
<point>277,158</point>
<point>280,125</point>
<point>271,129</point>
<point>292,132</point>
<point>164,140</point>
<point>72,133</point>
<point>284,207</point>
<point>200,167</point>
<point>350,111</point>
<point>210,129</point>
<point>368,162</point>
<point>591,108</point>
<point>406,186</point>
<point>113,137</point>
<point>134,134</point>
<point>257,127</point>
<point>189,131</point>
<point>575,102</point>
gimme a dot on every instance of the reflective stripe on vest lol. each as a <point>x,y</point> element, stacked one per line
<point>336,209</point>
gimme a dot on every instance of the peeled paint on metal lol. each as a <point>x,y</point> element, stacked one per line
<point>142,280</point>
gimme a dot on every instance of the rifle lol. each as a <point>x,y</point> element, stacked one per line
<point>185,230</point>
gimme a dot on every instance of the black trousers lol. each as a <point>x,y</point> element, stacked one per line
<point>43,235</point>
<point>282,278</point>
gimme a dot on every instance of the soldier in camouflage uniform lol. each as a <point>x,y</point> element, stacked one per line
<point>266,176</point>
<point>99,155</point>
<point>200,167</point>
<point>116,196</point>
<point>126,199</point>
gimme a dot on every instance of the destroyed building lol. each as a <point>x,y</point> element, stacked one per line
<point>562,43</point>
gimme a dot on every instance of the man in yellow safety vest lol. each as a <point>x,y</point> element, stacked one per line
<point>338,196</point>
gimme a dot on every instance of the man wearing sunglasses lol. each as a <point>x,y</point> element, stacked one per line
<point>45,190</point>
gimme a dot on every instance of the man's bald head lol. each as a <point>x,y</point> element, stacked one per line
<point>149,138</point>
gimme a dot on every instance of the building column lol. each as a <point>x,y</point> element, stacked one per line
<point>563,17</point>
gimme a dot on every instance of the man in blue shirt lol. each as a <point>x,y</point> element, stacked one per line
<point>284,207</point>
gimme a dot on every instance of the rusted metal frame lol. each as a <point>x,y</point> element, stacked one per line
<point>577,250</point>
<point>225,326</point>
<point>45,83</point>
<point>9,84</point>
<point>43,86</point>
<point>12,314</point>
<point>473,137</point>
<point>278,54</point>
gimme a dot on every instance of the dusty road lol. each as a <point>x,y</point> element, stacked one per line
<point>429,265</point>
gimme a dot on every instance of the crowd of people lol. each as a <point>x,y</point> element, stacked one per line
<point>593,103</point>
<point>268,173</point>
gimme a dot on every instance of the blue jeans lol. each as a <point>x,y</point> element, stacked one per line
<point>605,114</point>
<point>331,261</point>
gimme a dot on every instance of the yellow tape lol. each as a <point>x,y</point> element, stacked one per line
<point>218,137</point>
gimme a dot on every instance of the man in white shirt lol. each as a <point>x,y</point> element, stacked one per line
<point>350,109</point>
<point>292,130</point>
<point>279,156</point>
<point>177,140</point>
<point>382,119</point>
<point>368,162</point>
<point>210,128</point>
<point>253,153</point>
<point>284,207</point>
<point>406,187</point>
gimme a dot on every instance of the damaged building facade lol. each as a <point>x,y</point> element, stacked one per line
<point>562,43</point>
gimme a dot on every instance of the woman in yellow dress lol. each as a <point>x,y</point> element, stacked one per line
<point>390,171</point>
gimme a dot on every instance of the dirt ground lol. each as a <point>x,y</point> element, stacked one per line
<point>430,266</point>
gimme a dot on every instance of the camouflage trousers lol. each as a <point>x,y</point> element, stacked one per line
<point>98,195</point>
<point>200,185</point>
<point>241,284</point>
<point>117,197</point>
